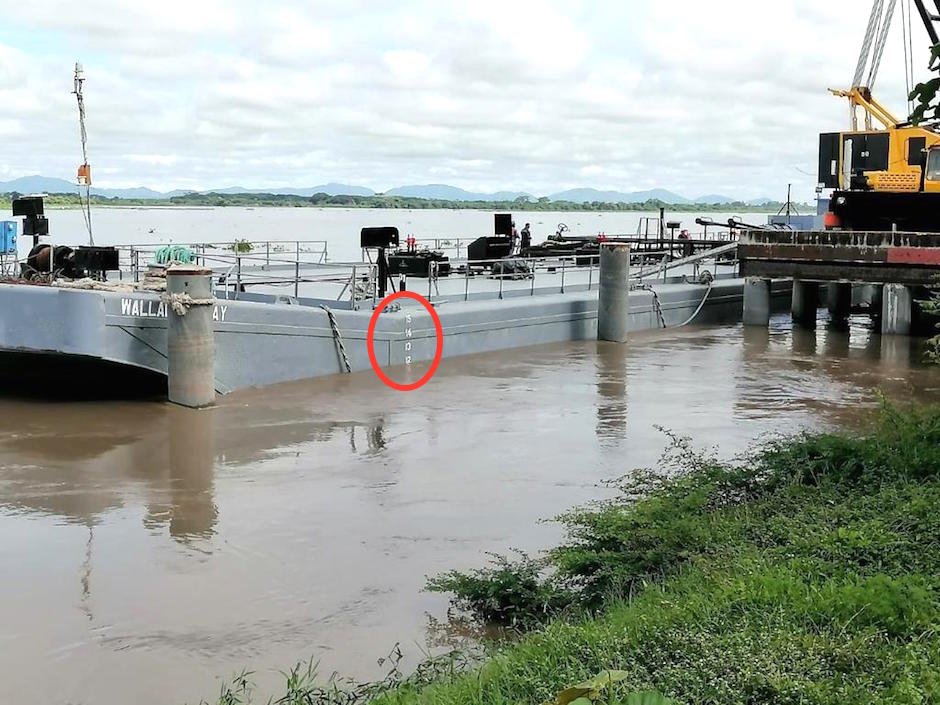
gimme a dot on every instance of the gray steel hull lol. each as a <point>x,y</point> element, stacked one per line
<point>260,344</point>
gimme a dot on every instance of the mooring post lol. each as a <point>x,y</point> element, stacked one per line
<point>613,306</point>
<point>840,302</point>
<point>757,302</point>
<point>805,303</point>
<point>897,310</point>
<point>190,337</point>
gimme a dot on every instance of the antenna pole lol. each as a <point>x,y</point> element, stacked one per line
<point>84,171</point>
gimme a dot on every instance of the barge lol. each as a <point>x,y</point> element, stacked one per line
<point>284,314</point>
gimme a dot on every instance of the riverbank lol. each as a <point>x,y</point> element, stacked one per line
<point>807,572</point>
<point>268,200</point>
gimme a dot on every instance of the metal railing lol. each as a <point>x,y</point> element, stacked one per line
<point>521,276</point>
<point>136,258</point>
<point>302,269</point>
<point>456,248</point>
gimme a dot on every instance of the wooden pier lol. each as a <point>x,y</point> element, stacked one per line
<point>898,263</point>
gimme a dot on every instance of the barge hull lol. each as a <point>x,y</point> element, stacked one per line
<point>259,344</point>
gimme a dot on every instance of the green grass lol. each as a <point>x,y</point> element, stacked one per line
<point>807,573</point>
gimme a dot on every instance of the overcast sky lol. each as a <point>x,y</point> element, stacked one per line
<point>719,97</point>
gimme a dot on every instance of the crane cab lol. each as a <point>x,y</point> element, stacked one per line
<point>932,177</point>
<point>896,160</point>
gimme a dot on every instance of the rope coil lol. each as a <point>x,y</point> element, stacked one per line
<point>181,303</point>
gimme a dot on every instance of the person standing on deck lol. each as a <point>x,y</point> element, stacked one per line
<point>513,239</point>
<point>526,242</point>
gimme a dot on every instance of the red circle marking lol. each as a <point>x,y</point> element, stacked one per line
<point>439,352</point>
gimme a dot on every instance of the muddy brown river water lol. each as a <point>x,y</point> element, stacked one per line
<point>148,552</point>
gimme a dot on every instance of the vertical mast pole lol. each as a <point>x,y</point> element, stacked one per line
<point>84,171</point>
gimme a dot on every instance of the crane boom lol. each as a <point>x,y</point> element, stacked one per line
<point>931,19</point>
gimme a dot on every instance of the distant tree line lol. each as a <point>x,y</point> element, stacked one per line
<point>323,200</point>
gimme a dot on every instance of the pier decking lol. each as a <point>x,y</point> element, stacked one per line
<point>898,264</point>
<point>912,259</point>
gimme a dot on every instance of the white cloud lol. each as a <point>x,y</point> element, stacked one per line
<point>491,95</point>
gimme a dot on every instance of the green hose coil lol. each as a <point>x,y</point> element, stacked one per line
<point>174,253</point>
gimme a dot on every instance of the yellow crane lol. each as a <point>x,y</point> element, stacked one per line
<point>885,154</point>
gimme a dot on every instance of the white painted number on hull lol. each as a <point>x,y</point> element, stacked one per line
<point>408,334</point>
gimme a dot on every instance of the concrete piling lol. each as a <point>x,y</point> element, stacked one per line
<point>757,302</point>
<point>876,302</point>
<point>897,310</point>
<point>840,302</point>
<point>190,337</point>
<point>613,309</point>
<point>805,303</point>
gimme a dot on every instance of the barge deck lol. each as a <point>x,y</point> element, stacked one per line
<point>267,332</point>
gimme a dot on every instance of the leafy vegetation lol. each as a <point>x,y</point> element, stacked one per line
<point>508,594</point>
<point>924,95</point>
<point>932,307</point>
<point>808,572</point>
<point>322,200</point>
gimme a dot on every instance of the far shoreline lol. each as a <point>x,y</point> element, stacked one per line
<point>60,201</point>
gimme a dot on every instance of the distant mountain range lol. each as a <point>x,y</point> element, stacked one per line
<point>44,184</point>
<point>589,195</point>
<point>328,189</point>
<point>443,192</point>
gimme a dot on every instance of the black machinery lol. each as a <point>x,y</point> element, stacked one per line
<point>414,263</point>
<point>585,250</point>
<point>503,225</point>
<point>402,262</point>
<point>46,260</point>
<point>31,209</point>
<point>489,248</point>
<point>498,246</point>
<point>380,239</point>
<point>886,211</point>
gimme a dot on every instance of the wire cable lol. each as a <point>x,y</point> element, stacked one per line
<point>873,23</point>
<point>880,44</point>
<point>905,8</point>
<point>700,306</point>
